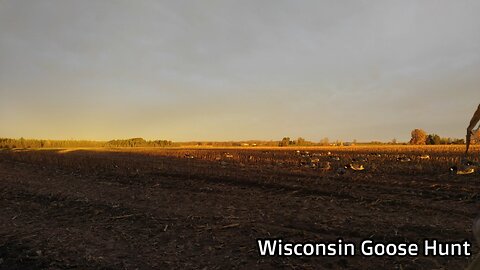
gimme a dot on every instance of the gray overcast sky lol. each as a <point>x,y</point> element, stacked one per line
<point>233,70</point>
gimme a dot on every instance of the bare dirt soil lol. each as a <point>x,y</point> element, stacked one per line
<point>204,209</point>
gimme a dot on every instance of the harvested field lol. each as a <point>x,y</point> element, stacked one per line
<point>205,208</point>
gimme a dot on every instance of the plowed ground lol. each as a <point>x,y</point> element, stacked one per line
<point>160,209</point>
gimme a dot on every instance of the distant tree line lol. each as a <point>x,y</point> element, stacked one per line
<point>420,137</point>
<point>138,142</point>
<point>230,143</point>
<point>286,141</point>
<point>298,142</point>
<point>33,143</point>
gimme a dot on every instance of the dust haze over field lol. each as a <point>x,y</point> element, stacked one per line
<point>175,134</point>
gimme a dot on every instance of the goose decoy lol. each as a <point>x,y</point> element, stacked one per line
<point>467,162</point>
<point>404,159</point>
<point>456,170</point>
<point>355,167</point>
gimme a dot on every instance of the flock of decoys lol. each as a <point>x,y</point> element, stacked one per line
<point>308,160</point>
<point>313,161</point>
